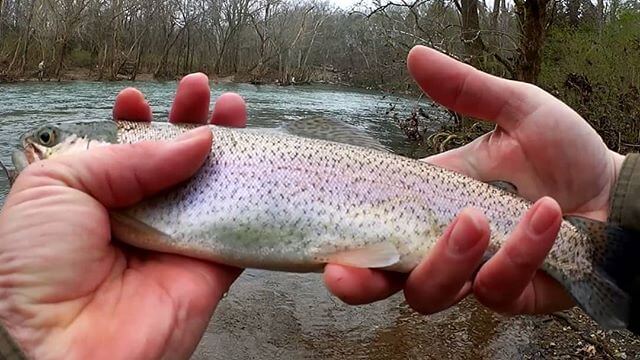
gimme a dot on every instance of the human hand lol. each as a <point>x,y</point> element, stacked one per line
<point>67,290</point>
<point>540,145</point>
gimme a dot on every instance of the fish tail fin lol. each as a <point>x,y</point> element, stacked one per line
<point>610,293</point>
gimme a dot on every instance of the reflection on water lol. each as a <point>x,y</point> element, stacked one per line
<point>291,316</point>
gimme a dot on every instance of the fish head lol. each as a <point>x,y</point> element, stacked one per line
<point>54,139</point>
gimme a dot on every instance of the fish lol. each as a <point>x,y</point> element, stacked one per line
<point>285,202</point>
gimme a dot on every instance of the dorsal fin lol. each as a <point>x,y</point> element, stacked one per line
<point>332,130</point>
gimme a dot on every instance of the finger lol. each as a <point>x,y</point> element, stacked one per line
<point>458,160</point>
<point>130,105</point>
<point>501,281</point>
<point>230,110</point>
<point>430,288</point>
<point>121,175</point>
<point>191,104</point>
<point>357,286</point>
<point>485,157</point>
<point>471,92</point>
<point>543,295</point>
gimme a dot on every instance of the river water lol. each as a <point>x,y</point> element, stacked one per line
<point>269,315</point>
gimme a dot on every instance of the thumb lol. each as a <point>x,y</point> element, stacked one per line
<point>454,160</point>
<point>121,175</point>
<point>474,159</point>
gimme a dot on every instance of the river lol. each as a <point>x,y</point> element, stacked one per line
<point>269,315</point>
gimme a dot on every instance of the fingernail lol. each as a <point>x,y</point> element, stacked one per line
<point>196,75</point>
<point>194,133</point>
<point>542,218</point>
<point>465,233</point>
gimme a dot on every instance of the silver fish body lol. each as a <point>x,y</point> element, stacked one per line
<point>274,201</point>
<point>281,202</point>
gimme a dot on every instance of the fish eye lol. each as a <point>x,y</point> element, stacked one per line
<point>46,136</point>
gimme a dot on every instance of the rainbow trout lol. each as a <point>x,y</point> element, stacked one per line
<point>278,201</point>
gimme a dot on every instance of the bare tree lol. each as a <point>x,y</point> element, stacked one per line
<point>533,18</point>
<point>268,40</point>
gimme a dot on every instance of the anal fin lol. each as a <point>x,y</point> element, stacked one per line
<point>378,255</point>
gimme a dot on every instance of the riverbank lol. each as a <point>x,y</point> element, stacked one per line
<point>75,74</point>
<point>319,77</point>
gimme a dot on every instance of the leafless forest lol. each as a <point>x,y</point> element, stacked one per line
<point>284,38</point>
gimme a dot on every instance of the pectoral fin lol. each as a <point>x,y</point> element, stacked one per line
<point>139,234</point>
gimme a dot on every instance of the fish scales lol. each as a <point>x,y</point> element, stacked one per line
<point>275,201</point>
<point>297,195</point>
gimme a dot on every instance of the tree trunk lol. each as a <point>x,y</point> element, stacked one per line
<point>613,9</point>
<point>61,55</point>
<point>103,62</point>
<point>186,68</point>
<point>573,12</point>
<point>236,58</point>
<point>15,55</point>
<point>495,14</point>
<point>313,39</point>
<point>533,18</point>
<point>27,37</point>
<point>471,31</point>
<point>136,68</point>
<point>25,50</point>
<point>1,22</point>
<point>23,41</point>
<point>113,60</point>
<point>218,64</point>
<point>285,73</point>
<point>600,14</point>
<point>161,69</point>
<point>178,60</point>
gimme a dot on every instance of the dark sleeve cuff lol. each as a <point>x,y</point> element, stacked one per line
<point>625,196</point>
<point>625,212</point>
<point>9,349</point>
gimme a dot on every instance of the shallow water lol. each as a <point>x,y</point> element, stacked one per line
<point>269,315</point>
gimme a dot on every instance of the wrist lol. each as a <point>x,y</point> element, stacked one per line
<point>624,204</point>
<point>618,160</point>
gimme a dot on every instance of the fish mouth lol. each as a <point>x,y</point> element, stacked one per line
<point>21,159</point>
<point>29,153</point>
<point>33,153</point>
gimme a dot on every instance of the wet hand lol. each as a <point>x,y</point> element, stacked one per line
<point>68,291</point>
<point>540,145</point>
